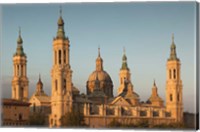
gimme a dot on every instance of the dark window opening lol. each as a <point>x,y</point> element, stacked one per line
<point>155,113</point>
<point>170,74</point>
<point>64,56</point>
<point>143,113</point>
<point>56,83</point>
<point>59,56</point>
<point>174,74</point>
<point>171,98</point>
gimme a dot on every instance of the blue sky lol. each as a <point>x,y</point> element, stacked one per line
<point>144,29</point>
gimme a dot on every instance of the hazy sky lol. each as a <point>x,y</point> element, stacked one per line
<point>144,29</point>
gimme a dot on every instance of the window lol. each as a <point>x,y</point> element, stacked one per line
<point>178,97</point>
<point>21,70</point>
<point>64,54</point>
<point>56,83</point>
<point>64,85</point>
<point>18,70</point>
<point>170,74</point>
<point>143,113</point>
<point>155,113</point>
<point>59,56</point>
<point>171,98</point>
<point>167,114</point>
<point>174,74</point>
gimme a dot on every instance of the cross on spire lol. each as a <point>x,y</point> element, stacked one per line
<point>98,51</point>
<point>154,83</point>
<point>60,10</point>
<point>173,37</point>
<point>124,50</point>
<point>19,31</point>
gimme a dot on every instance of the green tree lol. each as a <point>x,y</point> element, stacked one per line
<point>37,119</point>
<point>73,119</point>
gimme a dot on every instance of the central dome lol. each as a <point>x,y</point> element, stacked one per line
<point>102,75</point>
<point>106,84</point>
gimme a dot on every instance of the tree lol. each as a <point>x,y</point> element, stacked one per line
<point>72,119</point>
<point>37,119</point>
<point>114,124</point>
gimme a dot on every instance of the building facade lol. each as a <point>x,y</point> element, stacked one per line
<point>99,106</point>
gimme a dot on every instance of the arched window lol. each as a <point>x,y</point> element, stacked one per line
<point>17,70</point>
<point>174,74</point>
<point>170,74</point>
<point>64,54</point>
<point>178,97</point>
<point>64,84</point>
<point>56,85</point>
<point>59,56</point>
<point>171,97</point>
<point>22,71</point>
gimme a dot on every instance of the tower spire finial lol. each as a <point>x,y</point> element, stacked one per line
<point>172,37</point>
<point>60,10</point>
<point>39,77</point>
<point>99,51</point>
<point>154,83</point>
<point>19,31</point>
<point>124,49</point>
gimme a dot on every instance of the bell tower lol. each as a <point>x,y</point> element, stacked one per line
<point>124,73</point>
<point>61,74</point>
<point>20,80</point>
<point>174,96</point>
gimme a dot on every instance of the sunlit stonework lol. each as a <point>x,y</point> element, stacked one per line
<point>99,106</point>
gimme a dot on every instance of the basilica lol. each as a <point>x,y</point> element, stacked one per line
<point>99,106</point>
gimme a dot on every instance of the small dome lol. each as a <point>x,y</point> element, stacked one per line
<point>102,76</point>
<point>60,21</point>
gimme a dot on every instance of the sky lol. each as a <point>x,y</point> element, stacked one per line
<point>143,28</point>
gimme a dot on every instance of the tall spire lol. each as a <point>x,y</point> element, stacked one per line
<point>99,52</point>
<point>154,83</point>
<point>173,50</point>
<point>61,32</point>
<point>39,86</point>
<point>19,40</point>
<point>99,61</point>
<point>124,61</point>
<point>19,50</point>
<point>60,10</point>
<point>154,89</point>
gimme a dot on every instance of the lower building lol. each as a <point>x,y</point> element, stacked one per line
<point>15,113</point>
